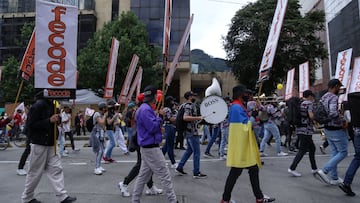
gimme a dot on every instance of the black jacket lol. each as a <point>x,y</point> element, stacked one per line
<point>40,129</point>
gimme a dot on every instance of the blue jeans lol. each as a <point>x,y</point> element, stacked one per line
<point>224,140</point>
<point>270,128</point>
<point>111,145</point>
<point>338,141</point>
<point>206,133</point>
<point>130,132</point>
<point>215,134</point>
<point>170,131</point>
<point>355,163</point>
<point>193,147</point>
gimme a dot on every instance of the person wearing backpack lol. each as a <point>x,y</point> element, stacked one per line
<point>336,134</point>
<point>304,131</point>
<point>192,137</point>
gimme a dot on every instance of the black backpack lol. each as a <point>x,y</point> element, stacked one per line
<point>180,123</point>
<point>321,115</point>
<point>293,111</point>
<point>90,123</point>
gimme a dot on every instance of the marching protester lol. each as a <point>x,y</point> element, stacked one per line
<point>355,163</point>
<point>149,136</point>
<point>110,117</point>
<point>129,120</point>
<point>192,137</point>
<point>40,129</point>
<point>243,151</point>
<point>80,123</point>
<point>305,131</point>
<point>66,125</point>
<point>336,134</point>
<point>123,185</point>
<point>98,137</point>
<point>118,133</point>
<point>170,129</point>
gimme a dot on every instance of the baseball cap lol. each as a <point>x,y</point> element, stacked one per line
<point>149,93</point>
<point>102,105</point>
<point>308,93</point>
<point>333,82</point>
<point>238,90</point>
<point>188,94</point>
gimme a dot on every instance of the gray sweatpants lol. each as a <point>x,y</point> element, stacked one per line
<point>153,162</point>
<point>42,159</point>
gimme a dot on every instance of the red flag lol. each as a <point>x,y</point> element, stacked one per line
<point>129,76</point>
<point>27,63</point>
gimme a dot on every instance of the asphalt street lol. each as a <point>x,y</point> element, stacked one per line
<point>89,188</point>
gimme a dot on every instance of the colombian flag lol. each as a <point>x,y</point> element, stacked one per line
<point>243,151</point>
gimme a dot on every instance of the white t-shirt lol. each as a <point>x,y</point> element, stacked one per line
<point>65,120</point>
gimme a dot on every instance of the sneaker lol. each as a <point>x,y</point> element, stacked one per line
<point>323,177</point>
<point>111,160</point>
<point>153,191</point>
<point>336,182</point>
<point>268,199</point>
<point>102,169</point>
<point>98,171</point>
<point>262,154</point>
<point>180,171</point>
<point>21,172</point>
<point>127,153</point>
<point>223,157</point>
<point>322,149</point>
<point>69,200</point>
<point>294,173</point>
<point>282,154</point>
<point>313,171</point>
<point>76,149</point>
<point>208,155</point>
<point>175,165</point>
<point>34,201</point>
<point>66,151</point>
<point>64,155</point>
<point>347,189</point>
<point>200,176</point>
<point>124,189</point>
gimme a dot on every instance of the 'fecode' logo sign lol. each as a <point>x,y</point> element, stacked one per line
<point>56,67</point>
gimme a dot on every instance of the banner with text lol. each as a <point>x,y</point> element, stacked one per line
<point>344,97</point>
<point>129,76</point>
<point>355,81</point>
<point>304,78</point>
<point>27,63</point>
<point>55,48</point>
<point>343,66</point>
<point>289,84</point>
<point>272,42</point>
<point>135,84</point>
<point>167,27</point>
<point>179,50</point>
<point>110,78</point>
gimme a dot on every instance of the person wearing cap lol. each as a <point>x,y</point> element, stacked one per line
<point>304,131</point>
<point>40,129</point>
<point>192,137</point>
<point>97,137</point>
<point>111,117</point>
<point>336,134</point>
<point>149,134</point>
<point>170,129</point>
<point>243,152</point>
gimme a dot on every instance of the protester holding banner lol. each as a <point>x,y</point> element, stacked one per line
<point>40,125</point>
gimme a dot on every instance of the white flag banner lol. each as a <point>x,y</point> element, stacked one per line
<point>343,66</point>
<point>355,81</point>
<point>179,50</point>
<point>273,38</point>
<point>129,76</point>
<point>55,45</point>
<point>304,78</point>
<point>289,84</point>
<point>110,78</point>
<point>89,111</point>
<point>167,27</point>
<point>344,97</point>
<point>135,83</point>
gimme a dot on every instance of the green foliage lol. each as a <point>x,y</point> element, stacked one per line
<point>10,83</point>
<point>26,32</point>
<point>208,63</point>
<point>93,60</point>
<point>246,40</point>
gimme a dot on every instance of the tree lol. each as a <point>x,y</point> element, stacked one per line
<point>246,40</point>
<point>93,60</point>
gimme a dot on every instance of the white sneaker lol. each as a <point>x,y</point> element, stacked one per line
<point>21,172</point>
<point>123,189</point>
<point>294,173</point>
<point>282,154</point>
<point>66,151</point>
<point>64,155</point>
<point>313,171</point>
<point>175,165</point>
<point>320,173</point>
<point>223,157</point>
<point>336,182</point>
<point>98,171</point>
<point>262,154</point>
<point>76,149</point>
<point>102,169</point>
<point>153,191</point>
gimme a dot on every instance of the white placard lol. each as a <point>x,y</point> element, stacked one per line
<point>343,66</point>
<point>304,78</point>
<point>289,84</point>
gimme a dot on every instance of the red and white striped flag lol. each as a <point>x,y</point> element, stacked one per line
<point>125,88</point>
<point>135,84</point>
<point>167,27</point>
<point>110,77</point>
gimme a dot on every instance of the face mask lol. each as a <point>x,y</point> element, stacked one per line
<point>193,100</point>
<point>246,98</point>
